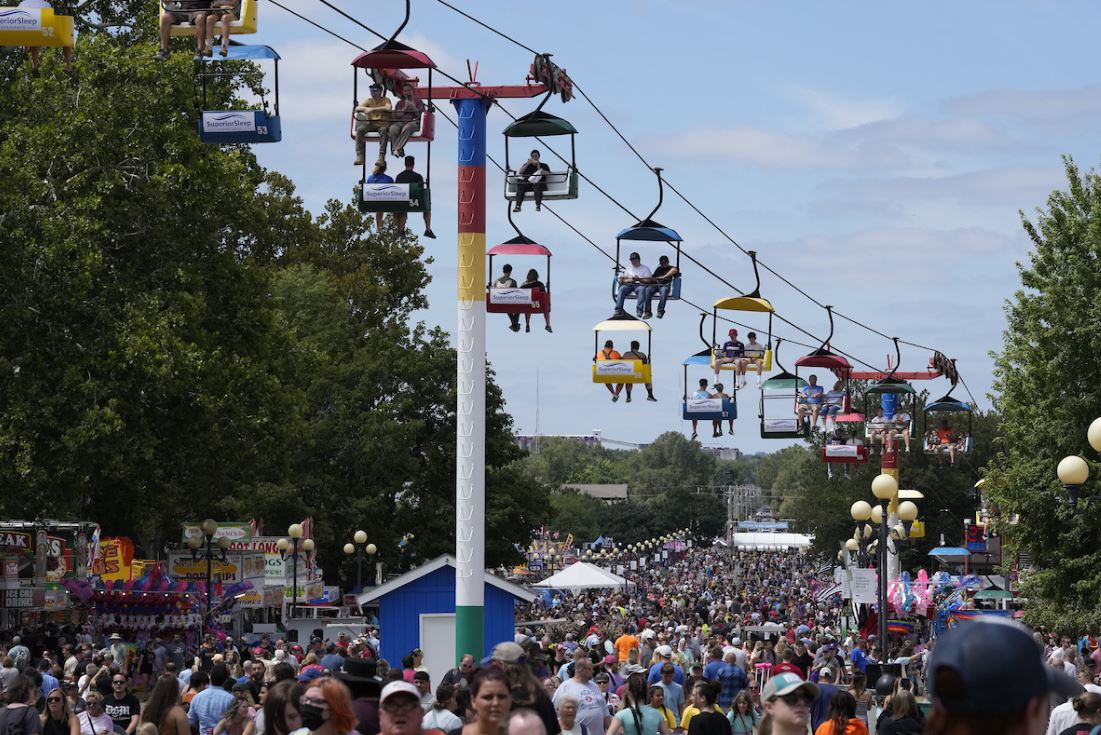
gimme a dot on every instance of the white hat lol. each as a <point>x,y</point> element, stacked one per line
<point>116,637</point>
<point>398,687</point>
<point>664,651</point>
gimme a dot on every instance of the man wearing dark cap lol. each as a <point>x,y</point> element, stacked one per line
<point>663,283</point>
<point>989,676</point>
<point>372,115</point>
<point>360,676</point>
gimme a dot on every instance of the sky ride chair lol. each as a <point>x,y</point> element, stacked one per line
<point>621,371</point>
<point>35,27</point>
<point>946,408</point>
<point>384,64</point>
<point>223,127</point>
<point>246,21</point>
<point>648,230</point>
<point>779,399</point>
<point>750,302</point>
<point>558,185</point>
<point>518,300</point>
<point>706,409</point>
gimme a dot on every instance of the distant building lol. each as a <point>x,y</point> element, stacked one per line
<point>723,452</point>
<point>609,493</point>
<point>527,442</point>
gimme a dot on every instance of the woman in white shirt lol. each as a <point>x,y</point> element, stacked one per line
<point>441,716</point>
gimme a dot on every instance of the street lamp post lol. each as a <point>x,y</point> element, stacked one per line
<point>292,545</point>
<point>1073,471</point>
<point>359,539</point>
<point>209,528</point>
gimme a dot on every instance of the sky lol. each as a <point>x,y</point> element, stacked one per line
<point>877,155</point>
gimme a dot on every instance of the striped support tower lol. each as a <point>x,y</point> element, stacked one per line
<point>471,382</point>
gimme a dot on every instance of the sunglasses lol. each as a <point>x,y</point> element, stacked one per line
<point>796,698</point>
<point>119,681</point>
<point>53,700</point>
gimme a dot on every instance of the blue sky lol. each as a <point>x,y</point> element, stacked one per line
<point>876,154</point>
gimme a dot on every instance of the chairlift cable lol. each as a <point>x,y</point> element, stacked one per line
<point>683,198</point>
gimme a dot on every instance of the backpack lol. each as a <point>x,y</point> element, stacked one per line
<point>14,721</point>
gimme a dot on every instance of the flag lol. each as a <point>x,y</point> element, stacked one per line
<point>827,592</point>
<point>902,627</point>
<point>307,527</point>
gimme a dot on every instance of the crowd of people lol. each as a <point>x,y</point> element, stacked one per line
<point>708,642</point>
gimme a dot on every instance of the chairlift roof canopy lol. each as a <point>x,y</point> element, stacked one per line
<point>246,52</point>
<point>650,231</point>
<point>823,358</point>
<point>393,55</point>
<point>519,245</point>
<point>744,303</point>
<point>539,124</point>
<point>946,404</point>
<point>782,381</point>
<point>700,358</point>
<point>891,385</point>
<point>621,324</point>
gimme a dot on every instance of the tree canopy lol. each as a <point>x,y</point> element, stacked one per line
<point>181,338</point>
<point>1048,381</point>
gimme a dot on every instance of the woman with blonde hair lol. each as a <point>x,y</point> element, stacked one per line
<point>59,718</point>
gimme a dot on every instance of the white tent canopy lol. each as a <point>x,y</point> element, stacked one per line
<point>583,576</point>
<point>767,540</point>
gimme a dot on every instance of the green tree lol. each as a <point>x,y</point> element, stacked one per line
<point>576,513</point>
<point>1049,383</point>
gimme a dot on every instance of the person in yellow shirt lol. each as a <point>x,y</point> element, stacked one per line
<point>373,115</point>
<point>657,701</point>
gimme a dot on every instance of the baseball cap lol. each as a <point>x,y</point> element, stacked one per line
<point>784,683</point>
<point>508,652</point>
<point>733,332</point>
<point>398,687</point>
<point>634,669</point>
<point>664,651</point>
<point>610,659</point>
<point>314,672</point>
<point>998,668</point>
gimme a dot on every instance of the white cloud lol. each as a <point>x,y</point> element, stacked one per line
<point>835,112</point>
<point>1050,108</point>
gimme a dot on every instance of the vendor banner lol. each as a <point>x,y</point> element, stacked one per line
<point>182,566</point>
<point>233,530</point>
<point>115,559</point>
<point>276,569</point>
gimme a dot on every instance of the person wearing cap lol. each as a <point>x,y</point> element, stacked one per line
<point>526,690</point>
<point>731,352</point>
<point>635,279</point>
<point>400,710</point>
<point>786,699</point>
<point>820,708</point>
<point>373,115</point>
<point>663,283</point>
<point>989,676</point>
<point>531,176</point>
<point>664,653</point>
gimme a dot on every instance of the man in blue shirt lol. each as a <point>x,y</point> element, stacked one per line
<point>210,704</point>
<point>732,680</point>
<point>715,661</point>
<point>810,400</point>
<point>732,351</point>
<point>657,671</point>
<point>859,658</point>
<point>674,692</point>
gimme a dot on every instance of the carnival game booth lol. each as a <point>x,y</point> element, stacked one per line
<point>153,606</point>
